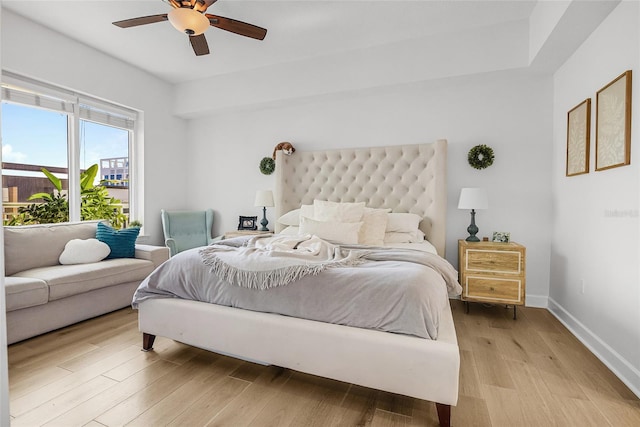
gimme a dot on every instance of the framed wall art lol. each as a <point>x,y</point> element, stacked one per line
<point>578,140</point>
<point>613,123</point>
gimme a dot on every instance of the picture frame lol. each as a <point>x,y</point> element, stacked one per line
<point>613,123</point>
<point>501,237</point>
<point>248,223</point>
<point>578,138</point>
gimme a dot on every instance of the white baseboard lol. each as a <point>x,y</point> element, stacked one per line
<point>621,367</point>
<point>537,301</point>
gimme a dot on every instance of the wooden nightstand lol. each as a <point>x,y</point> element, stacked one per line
<point>238,233</point>
<point>492,272</point>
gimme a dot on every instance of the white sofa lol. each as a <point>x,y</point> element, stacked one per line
<point>43,295</point>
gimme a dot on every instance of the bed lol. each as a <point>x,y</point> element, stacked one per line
<point>408,178</point>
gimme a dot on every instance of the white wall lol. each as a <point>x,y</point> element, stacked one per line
<point>595,216</point>
<point>509,111</point>
<point>49,56</point>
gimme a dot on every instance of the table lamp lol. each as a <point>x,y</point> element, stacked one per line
<point>264,198</point>
<point>473,198</point>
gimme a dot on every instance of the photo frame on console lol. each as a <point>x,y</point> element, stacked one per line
<point>501,237</point>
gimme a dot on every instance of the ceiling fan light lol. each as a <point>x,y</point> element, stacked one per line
<point>188,21</point>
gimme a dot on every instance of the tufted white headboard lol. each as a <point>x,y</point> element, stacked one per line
<point>405,178</point>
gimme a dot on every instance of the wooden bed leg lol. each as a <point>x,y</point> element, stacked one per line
<point>147,341</point>
<point>444,414</point>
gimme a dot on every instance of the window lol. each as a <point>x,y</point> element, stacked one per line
<point>69,135</point>
<point>33,138</point>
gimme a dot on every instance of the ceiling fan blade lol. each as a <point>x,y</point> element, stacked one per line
<point>238,27</point>
<point>143,20</point>
<point>199,45</point>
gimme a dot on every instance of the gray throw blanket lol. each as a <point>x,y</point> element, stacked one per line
<point>393,290</point>
<point>267,262</point>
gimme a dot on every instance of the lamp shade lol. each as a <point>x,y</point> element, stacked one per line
<point>264,198</point>
<point>473,198</point>
<point>188,21</point>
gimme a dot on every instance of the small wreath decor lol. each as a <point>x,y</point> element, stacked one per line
<point>267,165</point>
<point>481,156</point>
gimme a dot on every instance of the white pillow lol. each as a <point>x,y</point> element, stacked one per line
<point>290,218</point>
<point>291,230</point>
<point>340,232</point>
<point>306,210</point>
<point>403,222</point>
<point>78,251</point>
<point>374,224</point>
<point>398,237</point>
<point>334,211</point>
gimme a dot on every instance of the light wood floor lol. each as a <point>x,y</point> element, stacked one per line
<point>528,372</point>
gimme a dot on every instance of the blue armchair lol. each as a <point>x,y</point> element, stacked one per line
<point>186,229</point>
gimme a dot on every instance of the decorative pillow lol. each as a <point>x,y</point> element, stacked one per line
<point>374,224</point>
<point>292,218</point>
<point>306,210</point>
<point>334,211</point>
<point>399,237</point>
<point>79,251</point>
<point>340,232</point>
<point>121,242</point>
<point>403,222</point>
<point>291,231</point>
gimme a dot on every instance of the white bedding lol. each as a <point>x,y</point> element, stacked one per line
<point>424,246</point>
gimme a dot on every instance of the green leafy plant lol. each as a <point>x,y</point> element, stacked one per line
<point>54,209</point>
<point>95,203</point>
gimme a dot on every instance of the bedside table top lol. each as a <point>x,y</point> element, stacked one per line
<point>489,245</point>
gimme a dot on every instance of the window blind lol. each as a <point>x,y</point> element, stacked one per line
<point>22,90</point>
<point>105,117</point>
<point>24,96</point>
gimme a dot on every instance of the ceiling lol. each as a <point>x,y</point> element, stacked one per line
<point>297,30</point>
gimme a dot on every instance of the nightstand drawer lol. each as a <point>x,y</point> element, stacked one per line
<point>486,260</point>
<point>493,289</point>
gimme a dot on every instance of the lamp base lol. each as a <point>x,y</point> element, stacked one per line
<point>264,221</point>
<point>472,229</point>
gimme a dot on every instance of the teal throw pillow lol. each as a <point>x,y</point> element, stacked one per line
<point>121,242</point>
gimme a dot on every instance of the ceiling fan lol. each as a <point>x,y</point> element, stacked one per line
<point>189,17</point>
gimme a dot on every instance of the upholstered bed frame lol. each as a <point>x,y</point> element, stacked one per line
<point>407,178</point>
